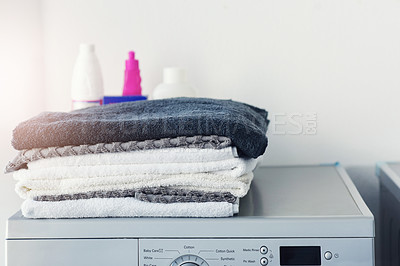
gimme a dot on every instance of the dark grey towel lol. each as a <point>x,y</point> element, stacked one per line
<point>244,124</point>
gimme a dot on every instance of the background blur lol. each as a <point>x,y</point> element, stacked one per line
<point>327,71</point>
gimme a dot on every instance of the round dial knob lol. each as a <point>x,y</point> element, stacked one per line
<point>189,260</point>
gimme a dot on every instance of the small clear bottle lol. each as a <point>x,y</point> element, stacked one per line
<point>174,85</point>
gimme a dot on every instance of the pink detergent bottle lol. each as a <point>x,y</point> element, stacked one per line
<point>132,77</point>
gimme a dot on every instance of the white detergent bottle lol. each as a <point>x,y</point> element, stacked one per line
<point>174,85</point>
<point>87,82</point>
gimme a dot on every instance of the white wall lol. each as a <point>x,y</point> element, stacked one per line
<point>21,87</point>
<point>338,59</point>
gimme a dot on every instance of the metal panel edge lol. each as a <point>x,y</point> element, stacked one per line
<point>272,227</point>
<point>388,178</point>
<point>354,192</point>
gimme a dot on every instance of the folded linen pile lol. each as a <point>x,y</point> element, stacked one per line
<point>181,157</point>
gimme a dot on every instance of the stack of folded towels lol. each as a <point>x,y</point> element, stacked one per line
<point>180,157</point>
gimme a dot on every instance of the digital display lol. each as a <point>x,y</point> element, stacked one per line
<point>300,255</point>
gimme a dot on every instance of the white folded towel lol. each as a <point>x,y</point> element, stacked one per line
<point>208,182</point>
<point>124,207</point>
<point>159,156</point>
<point>227,168</point>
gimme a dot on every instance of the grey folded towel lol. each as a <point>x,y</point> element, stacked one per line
<point>154,194</point>
<point>174,195</point>
<point>203,142</point>
<point>244,124</point>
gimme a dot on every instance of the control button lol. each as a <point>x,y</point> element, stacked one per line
<point>264,250</point>
<point>189,260</point>
<point>328,255</point>
<point>264,261</point>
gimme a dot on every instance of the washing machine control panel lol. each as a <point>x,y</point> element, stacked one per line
<point>204,252</point>
<point>254,252</point>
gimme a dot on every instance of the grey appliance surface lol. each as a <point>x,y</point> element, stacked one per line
<point>122,252</point>
<point>367,183</point>
<point>300,206</point>
<point>282,202</point>
<point>395,167</point>
<point>321,192</point>
<point>389,176</point>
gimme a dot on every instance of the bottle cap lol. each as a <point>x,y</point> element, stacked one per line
<point>84,47</point>
<point>174,75</point>
<point>132,63</point>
